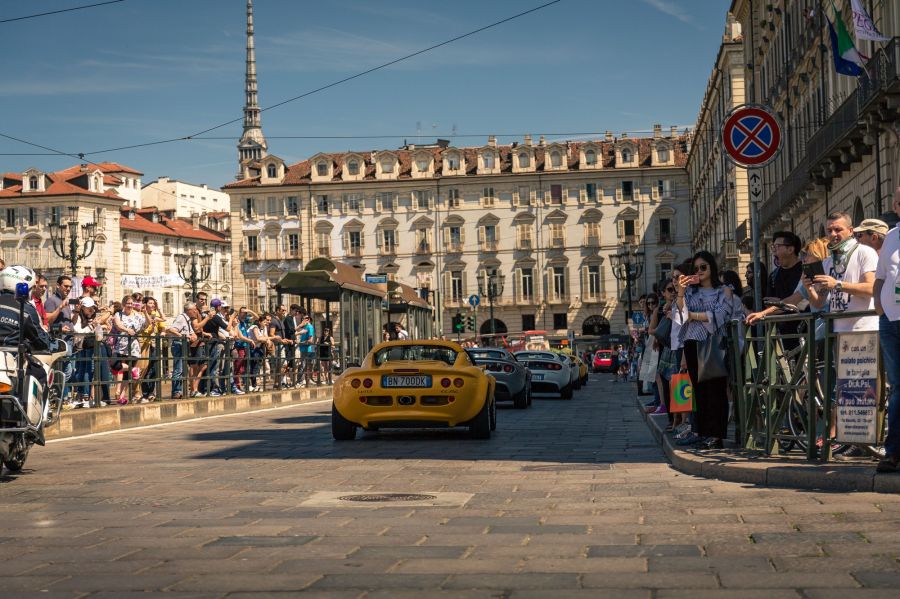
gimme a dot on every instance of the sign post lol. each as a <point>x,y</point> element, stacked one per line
<point>751,136</point>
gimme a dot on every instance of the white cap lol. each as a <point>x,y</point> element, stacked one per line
<point>88,302</point>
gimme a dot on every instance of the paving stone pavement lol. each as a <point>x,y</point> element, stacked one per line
<point>568,499</point>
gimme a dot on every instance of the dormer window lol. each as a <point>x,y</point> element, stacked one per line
<point>662,154</point>
<point>590,157</point>
<point>555,159</point>
<point>387,166</point>
<point>524,160</point>
<point>422,165</point>
<point>33,183</point>
<point>488,160</point>
<point>626,156</point>
<point>321,169</point>
<point>453,162</point>
<point>353,167</point>
<point>271,171</point>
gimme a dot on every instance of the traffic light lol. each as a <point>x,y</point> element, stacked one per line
<point>458,323</point>
<point>470,322</point>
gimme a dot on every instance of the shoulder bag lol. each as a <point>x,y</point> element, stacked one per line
<point>711,356</point>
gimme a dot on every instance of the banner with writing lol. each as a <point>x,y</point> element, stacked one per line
<point>856,394</point>
<point>151,281</point>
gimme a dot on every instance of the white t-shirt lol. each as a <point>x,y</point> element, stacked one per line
<point>864,259</point>
<point>887,271</point>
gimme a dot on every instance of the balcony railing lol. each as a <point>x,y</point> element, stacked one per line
<point>323,251</point>
<point>524,244</point>
<point>388,249</point>
<point>592,241</point>
<point>455,247</point>
<point>557,242</point>
<point>489,246</point>
<point>423,248</point>
<point>354,251</point>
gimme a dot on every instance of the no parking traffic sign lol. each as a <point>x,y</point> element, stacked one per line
<point>751,135</point>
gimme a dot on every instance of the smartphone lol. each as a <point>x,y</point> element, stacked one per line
<point>812,269</point>
<point>74,302</point>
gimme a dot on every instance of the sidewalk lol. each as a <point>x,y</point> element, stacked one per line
<point>74,423</point>
<point>789,470</point>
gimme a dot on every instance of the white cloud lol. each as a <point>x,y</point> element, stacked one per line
<point>673,9</point>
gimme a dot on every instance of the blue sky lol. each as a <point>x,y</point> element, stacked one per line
<point>144,70</point>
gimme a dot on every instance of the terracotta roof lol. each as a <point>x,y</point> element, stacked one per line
<point>171,227</point>
<point>115,167</point>
<point>68,181</point>
<point>300,173</point>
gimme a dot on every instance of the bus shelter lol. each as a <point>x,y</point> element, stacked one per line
<point>357,327</point>
<point>403,300</point>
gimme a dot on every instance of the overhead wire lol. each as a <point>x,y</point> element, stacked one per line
<point>62,10</point>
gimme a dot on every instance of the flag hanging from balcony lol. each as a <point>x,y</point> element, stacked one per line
<point>847,60</point>
<point>862,22</point>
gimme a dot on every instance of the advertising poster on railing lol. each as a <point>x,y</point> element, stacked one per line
<point>857,387</point>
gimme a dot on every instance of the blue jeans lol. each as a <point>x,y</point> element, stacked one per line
<point>84,371</point>
<point>178,366</point>
<point>215,363</point>
<point>889,335</point>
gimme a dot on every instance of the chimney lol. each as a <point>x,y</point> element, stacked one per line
<point>541,141</point>
<point>528,140</point>
<point>83,168</point>
<point>162,180</point>
<point>609,135</point>
<point>492,141</point>
<point>673,131</point>
<point>657,130</point>
<point>195,221</point>
<point>624,134</point>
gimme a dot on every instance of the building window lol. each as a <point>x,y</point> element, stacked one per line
<point>455,238</point>
<point>524,160</point>
<point>488,195</point>
<point>32,216</point>
<point>353,167</point>
<point>456,285</point>
<point>10,217</point>
<point>33,183</point>
<point>272,171</point>
<point>590,157</point>
<point>421,199</point>
<point>248,207</point>
<point>453,162</point>
<point>528,284</point>
<point>490,236</point>
<point>560,320</point>
<point>354,242</point>
<point>293,245</point>
<point>662,154</point>
<point>592,234</point>
<point>386,201</point>
<point>559,282</point>
<point>146,263</point>
<point>590,191</point>
<point>353,202</point>
<point>387,166</point>
<point>390,241</point>
<point>626,156</point>
<point>453,198</point>
<point>523,233</point>
<point>665,230</point>
<point>488,160</point>
<point>628,228</point>
<point>323,243</point>
<point>528,322</point>
<point>272,206</point>
<point>593,280</point>
<point>524,196</point>
<point>293,205</point>
<point>555,159</point>
<point>422,165</point>
<point>556,194</point>
<point>627,190</point>
<point>252,246</point>
<point>423,241</point>
<point>665,270</point>
<point>557,235</point>
<point>167,305</point>
<point>322,204</point>
<point>322,169</point>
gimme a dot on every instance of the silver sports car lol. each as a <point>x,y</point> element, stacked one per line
<point>549,374</point>
<point>513,379</point>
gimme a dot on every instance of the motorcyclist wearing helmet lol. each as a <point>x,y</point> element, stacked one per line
<point>36,337</point>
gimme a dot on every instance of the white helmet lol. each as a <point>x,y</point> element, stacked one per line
<point>15,274</point>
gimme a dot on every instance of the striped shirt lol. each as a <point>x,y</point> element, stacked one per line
<point>713,302</point>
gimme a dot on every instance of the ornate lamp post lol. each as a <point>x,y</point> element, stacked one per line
<point>627,265</point>
<point>194,268</point>
<point>491,285</point>
<point>58,232</point>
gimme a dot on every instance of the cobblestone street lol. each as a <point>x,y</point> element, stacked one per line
<point>569,498</point>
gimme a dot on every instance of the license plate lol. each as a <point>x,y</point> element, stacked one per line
<point>390,380</point>
<point>537,377</point>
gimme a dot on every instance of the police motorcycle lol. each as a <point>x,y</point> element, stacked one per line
<point>30,388</point>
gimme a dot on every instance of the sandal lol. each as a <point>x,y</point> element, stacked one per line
<point>122,401</point>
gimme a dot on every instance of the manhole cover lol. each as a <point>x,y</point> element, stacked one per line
<point>382,497</point>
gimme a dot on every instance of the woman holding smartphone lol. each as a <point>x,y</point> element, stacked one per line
<point>703,306</point>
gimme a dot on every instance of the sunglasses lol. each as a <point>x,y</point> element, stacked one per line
<point>702,267</point>
<point>860,235</point>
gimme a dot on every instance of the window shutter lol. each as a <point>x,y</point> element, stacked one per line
<point>314,205</point>
<point>620,228</point>
<point>517,285</point>
<point>585,283</point>
<point>445,236</point>
<point>480,235</point>
<point>344,206</point>
<point>414,201</point>
<point>544,283</point>
<point>654,192</point>
<point>667,187</point>
<point>619,193</point>
<point>601,288</point>
<point>465,284</point>
<point>462,235</point>
<point>566,284</point>
<point>378,203</point>
<point>345,240</point>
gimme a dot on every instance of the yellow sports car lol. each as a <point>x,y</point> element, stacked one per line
<point>414,384</point>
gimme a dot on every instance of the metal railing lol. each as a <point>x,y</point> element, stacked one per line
<point>778,404</point>
<point>123,369</point>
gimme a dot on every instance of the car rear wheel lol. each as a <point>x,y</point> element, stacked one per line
<point>520,401</point>
<point>341,428</point>
<point>566,392</point>
<point>480,426</point>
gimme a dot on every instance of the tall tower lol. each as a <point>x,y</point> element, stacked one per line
<point>252,145</point>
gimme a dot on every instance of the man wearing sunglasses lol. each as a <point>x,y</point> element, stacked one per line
<point>871,232</point>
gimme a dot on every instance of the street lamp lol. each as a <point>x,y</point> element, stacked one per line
<point>58,232</point>
<point>194,268</point>
<point>627,265</point>
<point>491,285</point>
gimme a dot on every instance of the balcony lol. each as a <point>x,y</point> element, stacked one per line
<point>423,247</point>
<point>455,247</point>
<point>558,298</point>
<point>323,251</point>
<point>253,255</point>
<point>387,249</point>
<point>525,244</point>
<point>354,251</point>
<point>489,246</point>
<point>557,242</point>
<point>665,238</point>
<point>592,241</point>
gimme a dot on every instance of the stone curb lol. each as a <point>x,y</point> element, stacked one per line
<point>75,423</point>
<point>739,467</point>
